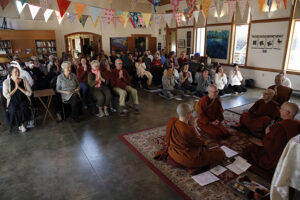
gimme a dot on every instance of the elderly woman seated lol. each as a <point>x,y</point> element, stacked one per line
<point>67,85</point>
<point>17,91</point>
<point>100,91</point>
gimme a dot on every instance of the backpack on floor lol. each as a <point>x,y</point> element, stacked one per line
<point>249,83</point>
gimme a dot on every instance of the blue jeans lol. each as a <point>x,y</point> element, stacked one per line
<point>83,90</point>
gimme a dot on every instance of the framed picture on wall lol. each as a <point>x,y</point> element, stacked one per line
<point>181,43</point>
<point>118,44</point>
<point>188,38</point>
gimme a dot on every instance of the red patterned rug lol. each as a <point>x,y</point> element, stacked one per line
<point>146,143</point>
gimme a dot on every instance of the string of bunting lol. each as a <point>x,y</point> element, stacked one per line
<point>139,19</point>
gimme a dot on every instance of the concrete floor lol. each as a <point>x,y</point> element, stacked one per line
<point>87,161</point>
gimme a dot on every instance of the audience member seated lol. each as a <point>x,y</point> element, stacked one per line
<point>172,60</point>
<point>163,56</point>
<point>261,114</point>
<point>102,55</point>
<point>210,115</point>
<point>186,79</point>
<point>38,65</point>
<point>54,71</point>
<point>198,73</point>
<point>99,89</point>
<point>142,72</point>
<point>50,62</point>
<point>121,84</point>
<point>168,83</point>
<point>196,58</point>
<point>82,76</point>
<point>203,82</point>
<point>221,81</point>
<point>68,86</point>
<point>185,147</point>
<point>113,57</point>
<point>157,70</point>
<point>37,76</point>
<point>282,93</point>
<point>17,92</point>
<point>213,71</point>
<point>131,69</point>
<point>265,154</point>
<point>182,59</point>
<point>23,74</point>
<point>149,55</point>
<point>235,80</point>
<point>69,58</point>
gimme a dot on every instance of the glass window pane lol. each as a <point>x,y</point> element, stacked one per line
<point>240,48</point>
<point>200,41</point>
<point>294,62</point>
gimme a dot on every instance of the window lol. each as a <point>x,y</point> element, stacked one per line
<point>240,44</point>
<point>295,49</point>
<point>200,41</point>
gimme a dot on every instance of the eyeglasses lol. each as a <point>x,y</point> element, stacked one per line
<point>119,63</point>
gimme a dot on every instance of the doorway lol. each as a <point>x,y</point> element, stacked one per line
<point>75,42</point>
<point>171,40</point>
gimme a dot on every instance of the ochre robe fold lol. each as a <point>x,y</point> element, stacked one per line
<point>282,93</point>
<point>210,110</point>
<point>274,142</point>
<point>186,147</point>
<point>260,115</point>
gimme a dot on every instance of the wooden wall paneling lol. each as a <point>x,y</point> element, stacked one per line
<point>152,44</point>
<point>131,45</point>
<point>231,48</point>
<point>248,39</point>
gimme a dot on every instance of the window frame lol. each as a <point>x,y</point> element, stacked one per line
<point>233,43</point>
<point>290,44</point>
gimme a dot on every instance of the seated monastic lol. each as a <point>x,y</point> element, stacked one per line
<point>261,113</point>
<point>266,153</point>
<point>184,144</point>
<point>282,93</point>
<point>210,114</point>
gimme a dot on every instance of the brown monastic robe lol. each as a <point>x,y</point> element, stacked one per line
<point>260,115</point>
<point>210,110</point>
<point>274,143</point>
<point>187,148</point>
<point>282,93</point>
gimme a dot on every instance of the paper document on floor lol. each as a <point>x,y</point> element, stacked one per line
<point>205,178</point>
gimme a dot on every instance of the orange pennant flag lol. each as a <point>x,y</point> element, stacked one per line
<point>79,8</point>
<point>261,5</point>
<point>205,6</point>
<point>95,22</point>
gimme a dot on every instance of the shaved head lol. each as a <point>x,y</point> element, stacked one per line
<point>212,91</point>
<point>183,109</point>
<point>268,95</point>
<point>292,108</point>
<point>212,88</point>
<point>278,79</point>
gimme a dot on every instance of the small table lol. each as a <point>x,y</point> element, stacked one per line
<point>45,93</point>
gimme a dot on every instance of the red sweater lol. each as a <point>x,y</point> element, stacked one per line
<point>117,82</point>
<point>82,75</point>
<point>156,63</point>
<point>181,61</point>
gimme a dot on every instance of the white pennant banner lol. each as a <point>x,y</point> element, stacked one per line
<point>47,14</point>
<point>168,19</point>
<point>20,7</point>
<point>33,10</point>
<point>59,18</point>
<point>242,6</point>
<point>196,15</point>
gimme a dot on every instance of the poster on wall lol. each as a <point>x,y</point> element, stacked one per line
<point>266,42</point>
<point>217,44</point>
<point>118,44</point>
<point>188,38</point>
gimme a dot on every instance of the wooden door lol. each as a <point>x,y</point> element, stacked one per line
<point>95,44</point>
<point>152,44</point>
<point>130,44</point>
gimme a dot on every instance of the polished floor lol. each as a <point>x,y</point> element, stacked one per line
<point>87,161</point>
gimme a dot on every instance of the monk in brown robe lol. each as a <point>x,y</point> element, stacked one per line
<point>185,146</point>
<point>261,113</point>
<point>210,114</point>
<point>266,153</point>
<point>282,93</point>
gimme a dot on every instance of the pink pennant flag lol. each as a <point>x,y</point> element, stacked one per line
<point>175,5</point>
<point>104,21</point>
<point>178,17</point>
<point>115,21</point>
<point>4,3</point>
<point>278,3</point>
<point>33,10</point>
<point>141,20</point>
<point>72,18</point>
<point>108,13</point>
<point>242,6</point>
<point>212,11</point>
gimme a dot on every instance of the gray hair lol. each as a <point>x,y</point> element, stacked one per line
<point>95,63</point>
<point>65,64</point>
<point>183,109</point>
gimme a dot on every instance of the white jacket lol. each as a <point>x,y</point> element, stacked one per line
<point>140,69</point>
<point>220,81</point>
<point>181,78</point>
<point>7,89</point>
<point>287,82</point>
<point>235,79</point>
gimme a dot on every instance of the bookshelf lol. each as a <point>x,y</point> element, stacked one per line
<point>45,48</point>
<point>5,47</point>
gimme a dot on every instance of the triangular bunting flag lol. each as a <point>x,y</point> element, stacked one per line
<point>285,3</point>
<point>44,4</point>
<point>141,20</point>
<point>59,17</point>
<point>95,12</point>
<point>157,18</point>
<point>95,22</point>
<point>83,19</point>
<point>134,19</point>
<point>123,17</point>
<point>252,4</point>
<point>168,19</point>
<point>63,6</point>
<point>225,7</point>
<point>108,13</point>
<point>212,11</point>
<point>147,17</point>
<point>261,5</point>
<point>19,6</point>
<point>178,17</point>
<point>219,7</point>
<point>33,10</point>
<point>23,2</point>
<point>79,8</point>
<point>72,18</point>
<point>155,4</point>
<point>269,3</point>
<point>47,14</point>
<point>104,21</point>
<point>175,5</point>
<point>4,3</point>
<point>196,15</point>
<point>205,6</point>
<point>242,6</point>
<point>278,3</point>
<point>191,4</point>
<point>115,21</point>
<point>231,7</point>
